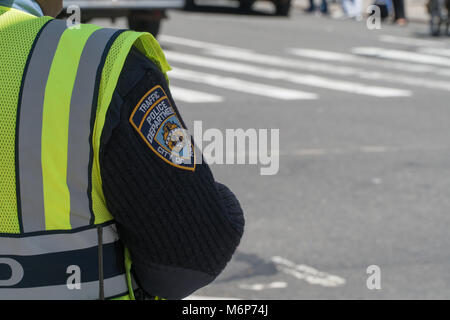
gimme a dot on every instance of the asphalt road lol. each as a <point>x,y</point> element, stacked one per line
<point>364,123</point>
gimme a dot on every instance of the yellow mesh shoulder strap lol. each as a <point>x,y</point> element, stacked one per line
<point>114,62</point>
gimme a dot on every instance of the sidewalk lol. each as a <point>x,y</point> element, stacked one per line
<point>415,9</point>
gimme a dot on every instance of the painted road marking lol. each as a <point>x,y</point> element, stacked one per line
<point>331,151</point>
<point>351,58</point>
<point>307,273</point>
<point>411,41</point>
<point>263,286</point>
<point>275,74</point>
<point>333,69</point>
<point>436,51</point>
<point>363,149</point>
<point>401,55</point>
<point>307,152</point>
<point>324,55</point>
<point>197,44</point>
<point>208,46</point>
<point>194,96</point>
<point>283,62</point>
<point>241,85</point>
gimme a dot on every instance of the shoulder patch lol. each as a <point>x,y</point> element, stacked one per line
<point>157,123</point>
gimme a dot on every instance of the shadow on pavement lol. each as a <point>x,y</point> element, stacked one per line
<point>253,266</point>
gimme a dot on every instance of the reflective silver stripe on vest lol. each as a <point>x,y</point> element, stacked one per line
<point>16,272</point>
<point>60,242</point>
<point>65,245</point>
<point>80,126</point>
<point>113,287</point>
<point>30,127</point>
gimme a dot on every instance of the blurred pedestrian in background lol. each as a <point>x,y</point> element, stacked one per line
<point>385,7</point>
<point>323,7</point>
<point>399,12</point>
<point>352,8</point>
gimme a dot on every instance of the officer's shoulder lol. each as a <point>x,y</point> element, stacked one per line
<point>137,70</point>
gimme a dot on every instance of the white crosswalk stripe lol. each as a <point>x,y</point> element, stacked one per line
<point>402,55</point>
<point>194,96</point>
<point>436,51</point>
<point>367,62</point>
<point>275,74</point>
<point>315,54</point>
<point>411,41</point>
<point>332,69</point>
<point>371,71</point>
<point>240,85</point>
<point>197,44</point>
<point>324,55</point>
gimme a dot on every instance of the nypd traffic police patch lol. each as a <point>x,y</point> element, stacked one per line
<point>159,126</point>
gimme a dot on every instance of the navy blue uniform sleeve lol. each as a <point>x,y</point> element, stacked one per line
<point>181,226</point>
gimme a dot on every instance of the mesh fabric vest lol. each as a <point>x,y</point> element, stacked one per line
<point>57,237</point>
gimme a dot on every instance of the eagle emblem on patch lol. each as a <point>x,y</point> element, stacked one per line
<point>157,123</point>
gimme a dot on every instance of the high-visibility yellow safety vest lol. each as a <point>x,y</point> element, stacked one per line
<point>57,238</point>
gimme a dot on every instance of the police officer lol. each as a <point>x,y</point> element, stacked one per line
<point>101,192</point>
